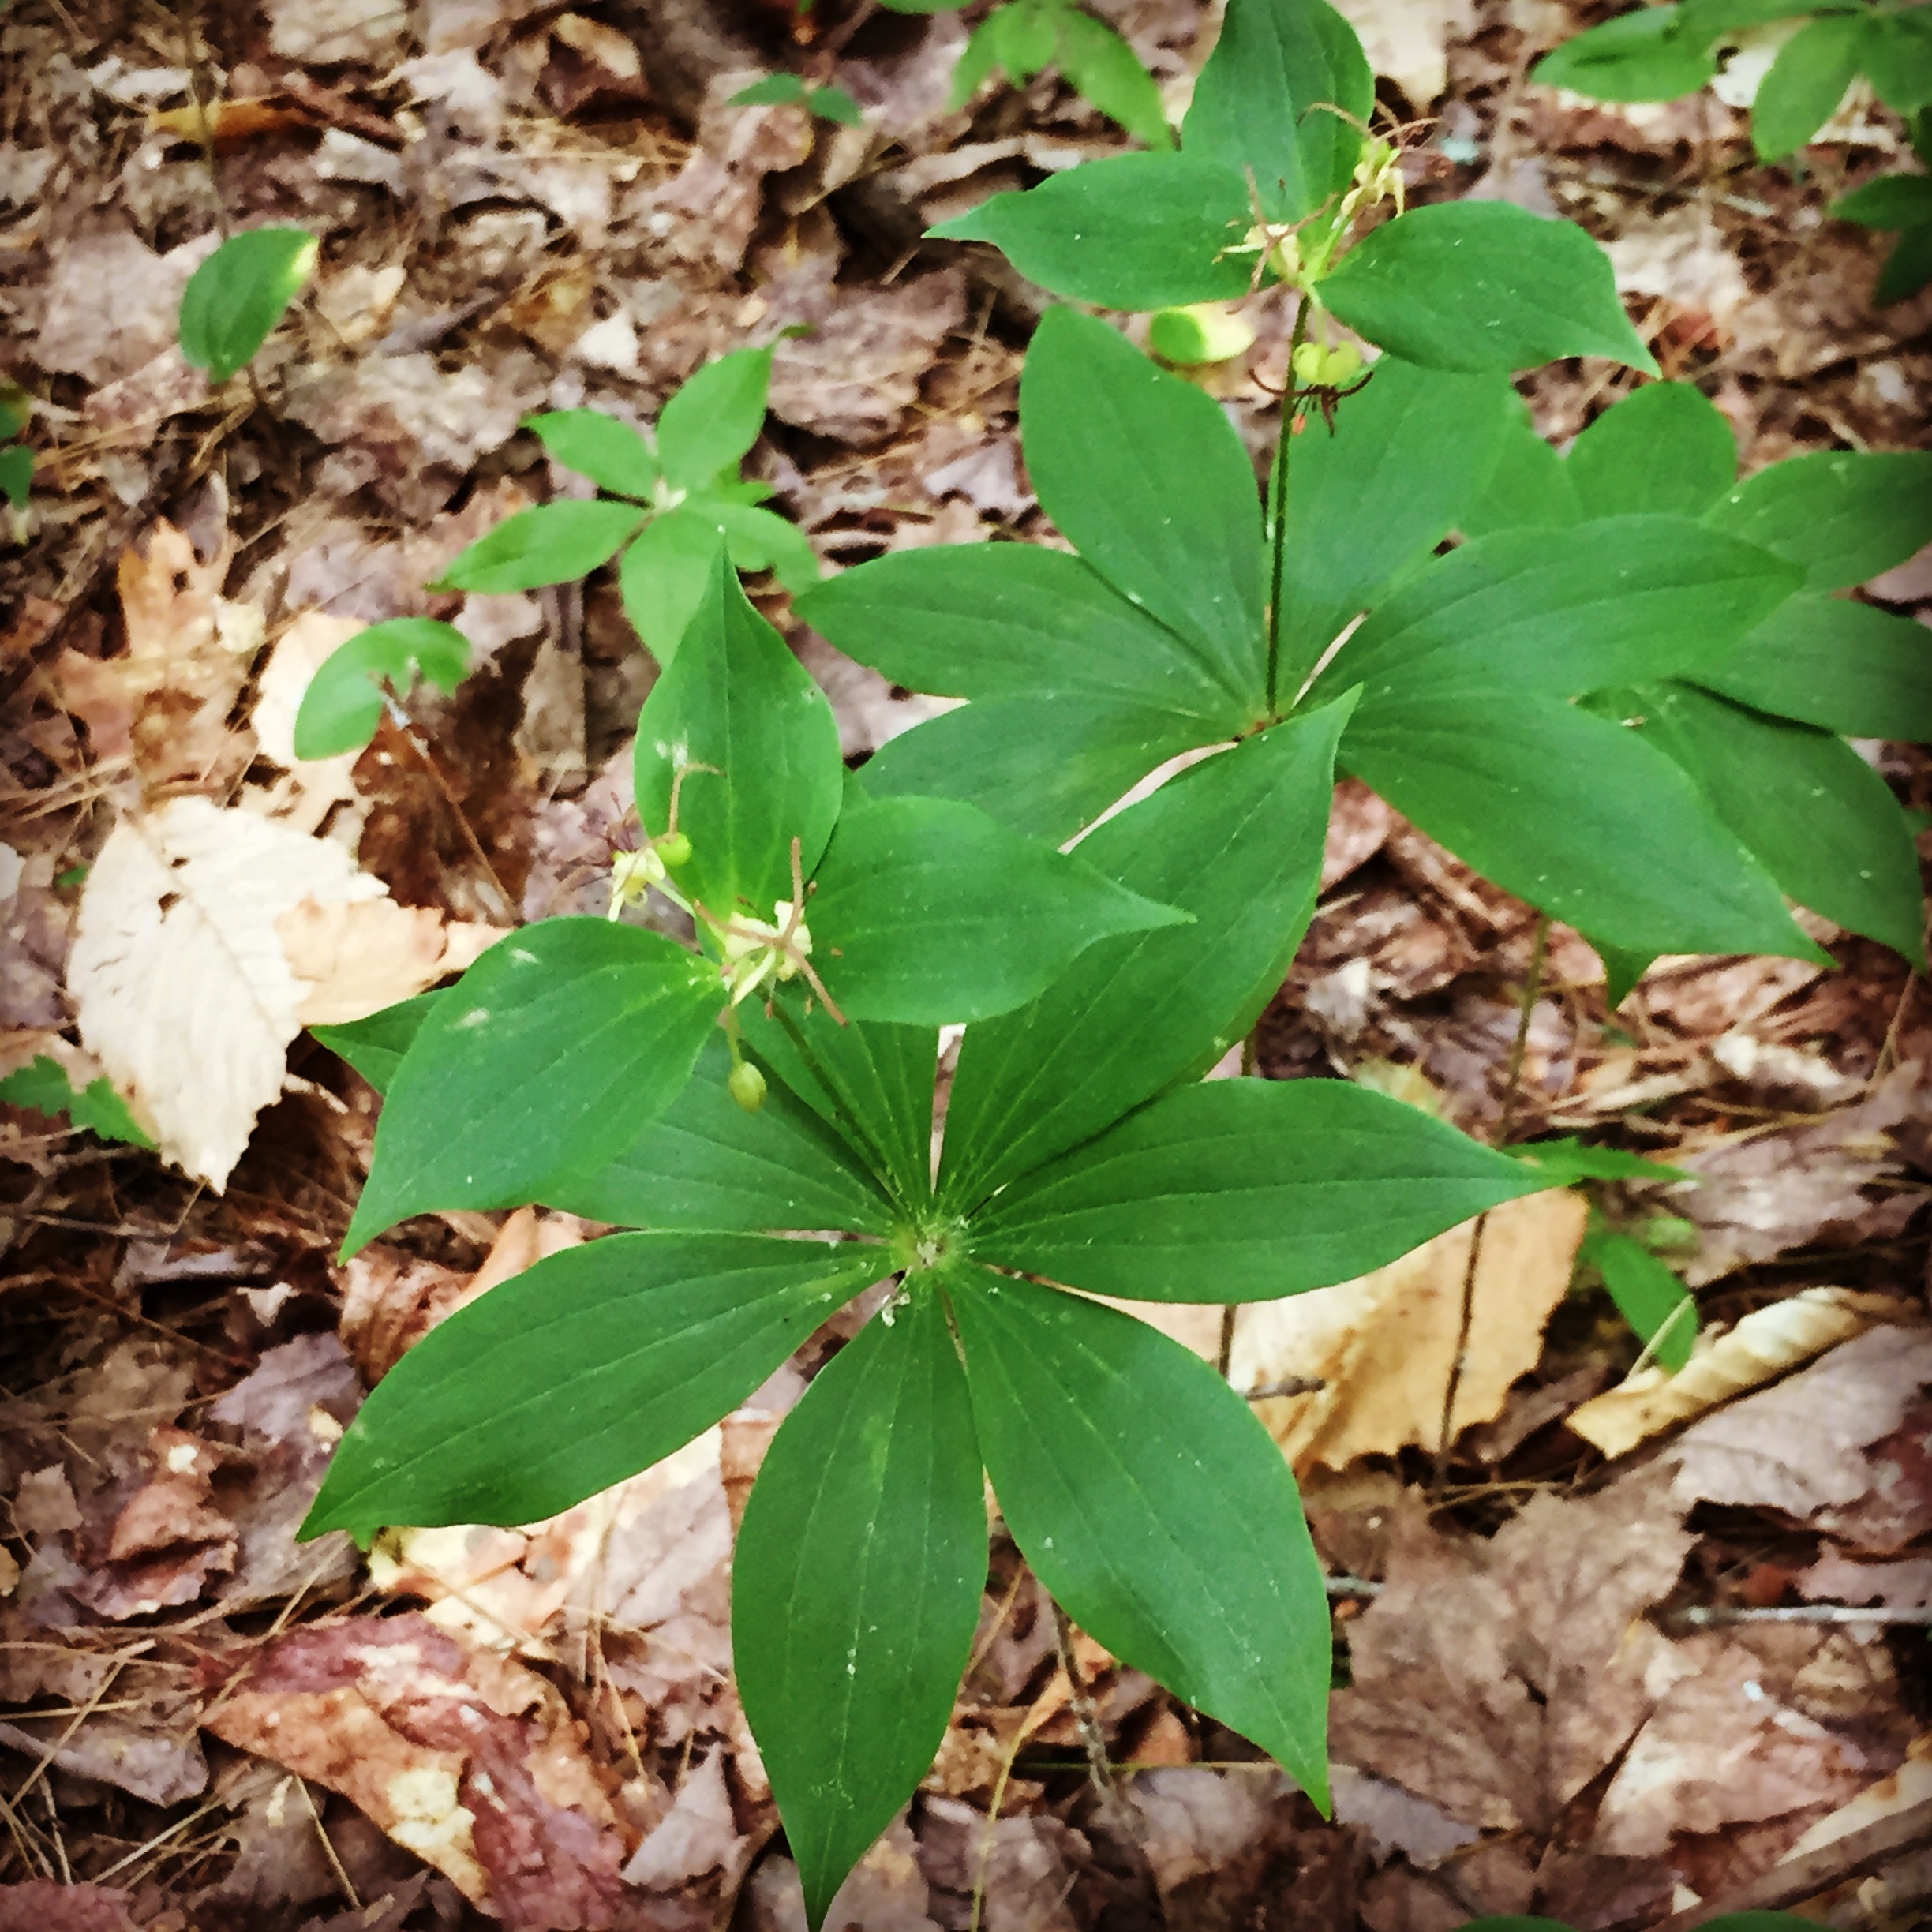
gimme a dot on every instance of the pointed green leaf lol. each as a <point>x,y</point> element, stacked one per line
<point>95,1108</point>
<point>17,470</point>
<point>1818,818</point>
<point>1562,1163</point>
<point>833,103</point>
<point>1831,661</point>
<point>1530,488</point>
<point>1805,83</point>
<point>758,540</point>
<point>1245,1190</point>
<point>775,90</point>
<point>1013,620</point>
<point>1133,231</point>
<point>1578,816</point>
<point>240,293</point>
<point>707,427</point>
<point>1646,55</point>
<point>1146,478</point>
<point>1647,1295</point>
<point>1707,21</point>
<point>1891,201</point>
<point>734,699</point>
<point>1623,967</point>
<point>343,706</point>
<point>1155,1507</point>
<point>1908,268</point>
<point>1104,70</point>
<point>1841,515</point>
<point>1484,285</point>
<point>708,1164</point>
<point>1897,57</point>
<point>613,455</point>
<point>375,1045</point>
<point>1268,101</point>
<point>552,543</point>
<point>581,1371</point>
<point>553,1052</point>
<point>1408,456</point>
<point>871,1083</point>
<point>1555,613</point>
<point>856,1588</point>
<point>1664,448</point>
<point>1046,767</point>
<point>663,579</point>
<point>928,912</point>
<point>1237,842</point>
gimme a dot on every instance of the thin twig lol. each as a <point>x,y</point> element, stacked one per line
<point>329,1847</point>
<point>1702,1617</point>
<point>1080,1702</point>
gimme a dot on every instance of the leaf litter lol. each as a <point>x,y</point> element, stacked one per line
<point>1595,1649</point>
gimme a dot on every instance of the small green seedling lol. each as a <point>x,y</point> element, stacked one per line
<point>17,463</point>
<point>668,501</point>
<point>1663,52</point>
<point>44,1086</point>
<point>239,294</point>
<point>343,704</point>
<point>779,90</point>
<point>1024,38</point>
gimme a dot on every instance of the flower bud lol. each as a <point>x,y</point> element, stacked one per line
<point>747,1086</point>
<point>674,848</point>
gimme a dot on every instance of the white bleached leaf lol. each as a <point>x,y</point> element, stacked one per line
<point>180,983</point>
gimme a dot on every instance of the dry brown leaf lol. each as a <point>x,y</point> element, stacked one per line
<point>358,956</point>
<point>112,302</point>
<point>1407,42</point>
<point>1383,1346</point>
<point>1763,1346</point>
<point>1910,1785</point>
<point>470,1760</point>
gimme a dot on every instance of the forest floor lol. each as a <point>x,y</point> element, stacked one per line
<point>1608,1648</point>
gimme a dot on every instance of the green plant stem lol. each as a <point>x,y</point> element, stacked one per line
<point>1277,501</point>
<point>1532,991</point>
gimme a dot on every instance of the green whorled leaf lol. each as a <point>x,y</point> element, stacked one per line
<point>551,543</point>
<point>1013,620</point>
<point>612,454</point>
<point>1665,447</point>
<point>1707,21</point>
<point>928,912</point>
<point>375,1046</point>
<point>856,1588</point>
<point>95,1108</point>
<point>1555,613</point>
<point>1408,457</point>
<point>1563,1162</point>
<point>17,471</point>
<point>663,577</point>
<point>1891,201</point>
<point>1897,56</point>
<point>1045,767</point>
<point>705,429</point>
<point>1147,479</point>
<point>775,90</point>
<point>1842,515</point>
<point>1578,816</point>
<point>239,294</point>
<point>734,699</point>
<point>1155,1507</point>
<point>1642,56</point>
<point>1623,968</point>
<point>1105,70</point>
<point>707,1163</point>
<point>1245,1190</point>
<point>1132,232</point>
<point>1237,842</point>
<point>551,1056</point>
<point>1484,285</point>
<point>1908,268</point>
<point>1805,83</point>
<point>577,1372</point>
<point>1530,488</point>
<point>1818,818</point>
<point>1834,662</point>
<point>343,706</point>
<point>1647,1295</point>
<point>1286,93</point>
<point>758,540</point>
<point>872,1084</point>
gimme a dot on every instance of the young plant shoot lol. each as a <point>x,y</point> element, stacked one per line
<point>1619,696</point>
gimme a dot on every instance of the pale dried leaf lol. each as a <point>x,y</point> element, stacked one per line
<point>1383,1346</point>
<point>179,980</point>
<point>1910,1785</point>
<point>308,790</point>
<point>1766,1343</point>
<point>358,956</point>
<point>1407,41</point>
